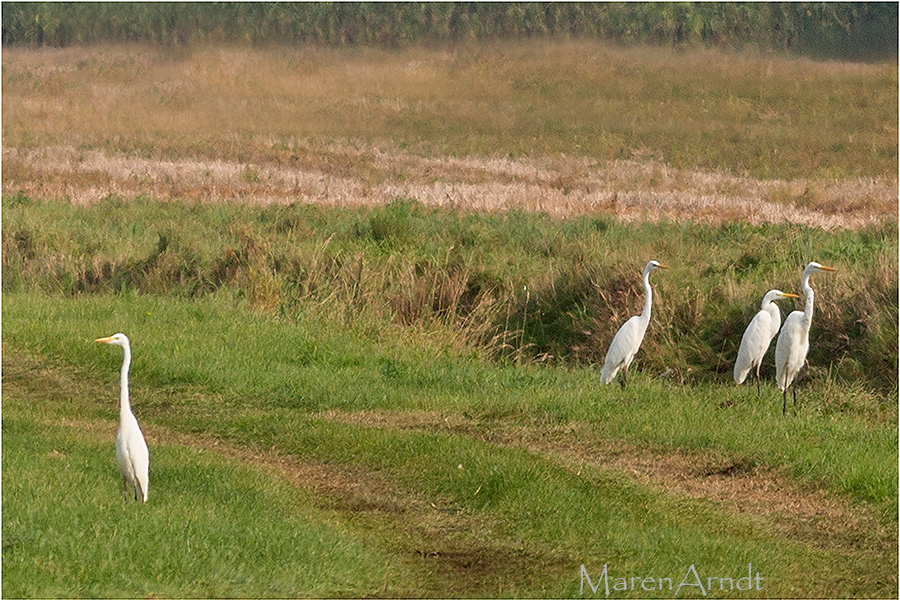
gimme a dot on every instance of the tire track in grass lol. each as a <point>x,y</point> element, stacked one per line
<point>431,535</point>
<point>791,510</point>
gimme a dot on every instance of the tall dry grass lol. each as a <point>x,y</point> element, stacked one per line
<point>746,115</point>
<point>370,175</point>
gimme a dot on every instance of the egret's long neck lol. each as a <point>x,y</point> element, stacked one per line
<point>774,316</point>
<point>124,403</point>
<point>648,296</point>
<point>809,296</point>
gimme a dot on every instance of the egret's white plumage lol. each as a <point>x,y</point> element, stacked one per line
<point>758,336</point>
<point>793,341</point>
<point>131,448</point>
<point>627,341</point>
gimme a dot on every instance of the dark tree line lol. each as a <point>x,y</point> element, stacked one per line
<point>860,30</point>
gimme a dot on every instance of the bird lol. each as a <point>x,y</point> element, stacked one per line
<point>758,336</point>
<point>793,340</point>
<point>131,448</point>
<point>627,341</point>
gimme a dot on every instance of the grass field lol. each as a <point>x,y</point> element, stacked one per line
<point>368,293</point>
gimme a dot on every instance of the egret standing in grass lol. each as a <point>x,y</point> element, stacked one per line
<point>627,341</point>
<point>131,448</point>
<point>758,336</point>
<point>793,341</point>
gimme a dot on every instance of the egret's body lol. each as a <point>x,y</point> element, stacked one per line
<point>131,448</point>
<point>627,341</point>
<point>793,341</point>
<point>758,336</point>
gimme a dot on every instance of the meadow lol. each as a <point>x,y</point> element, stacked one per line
<point>368,294</point>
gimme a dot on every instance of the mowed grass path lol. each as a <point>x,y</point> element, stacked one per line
<point>290,458</point>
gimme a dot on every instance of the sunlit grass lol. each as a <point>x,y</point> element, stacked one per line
<point>436,367</point>
<point>254,363</point>
<point>211,527</point>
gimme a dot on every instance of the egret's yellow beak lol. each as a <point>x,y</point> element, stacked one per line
<point>789,295</point>
<point>823,268</point>
<point>661,266</point>
<point>106,339</point>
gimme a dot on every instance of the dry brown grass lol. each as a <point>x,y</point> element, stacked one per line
<point>551,127</point>
<point>561,187</point>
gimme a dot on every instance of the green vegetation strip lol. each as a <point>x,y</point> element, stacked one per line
<point>218,369</point>
<point>835,30</point>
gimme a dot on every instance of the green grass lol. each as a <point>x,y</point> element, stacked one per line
<point>254,363</point>
<point>216,368</point>
<point>212,527</point>
<point>403,401</point>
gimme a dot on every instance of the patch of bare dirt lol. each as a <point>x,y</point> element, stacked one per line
<point>361,175</point>
<point>793,510</point>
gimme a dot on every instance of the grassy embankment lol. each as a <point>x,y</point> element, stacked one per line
<point>381,384</point>
<point>517,286</point>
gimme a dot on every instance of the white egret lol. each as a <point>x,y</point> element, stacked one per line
<point>131,448</point>
<point>758,336</point>
<point>627,341</point>
<point>793,341</point>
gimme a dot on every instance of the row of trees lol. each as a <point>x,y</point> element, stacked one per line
<point>826,29</point>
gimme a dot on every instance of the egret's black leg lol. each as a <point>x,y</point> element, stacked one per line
<point>794,390</point>
<point>125,488</point>
<point>757,381</point>
<point>784,403</point>
<point>624,377</point>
